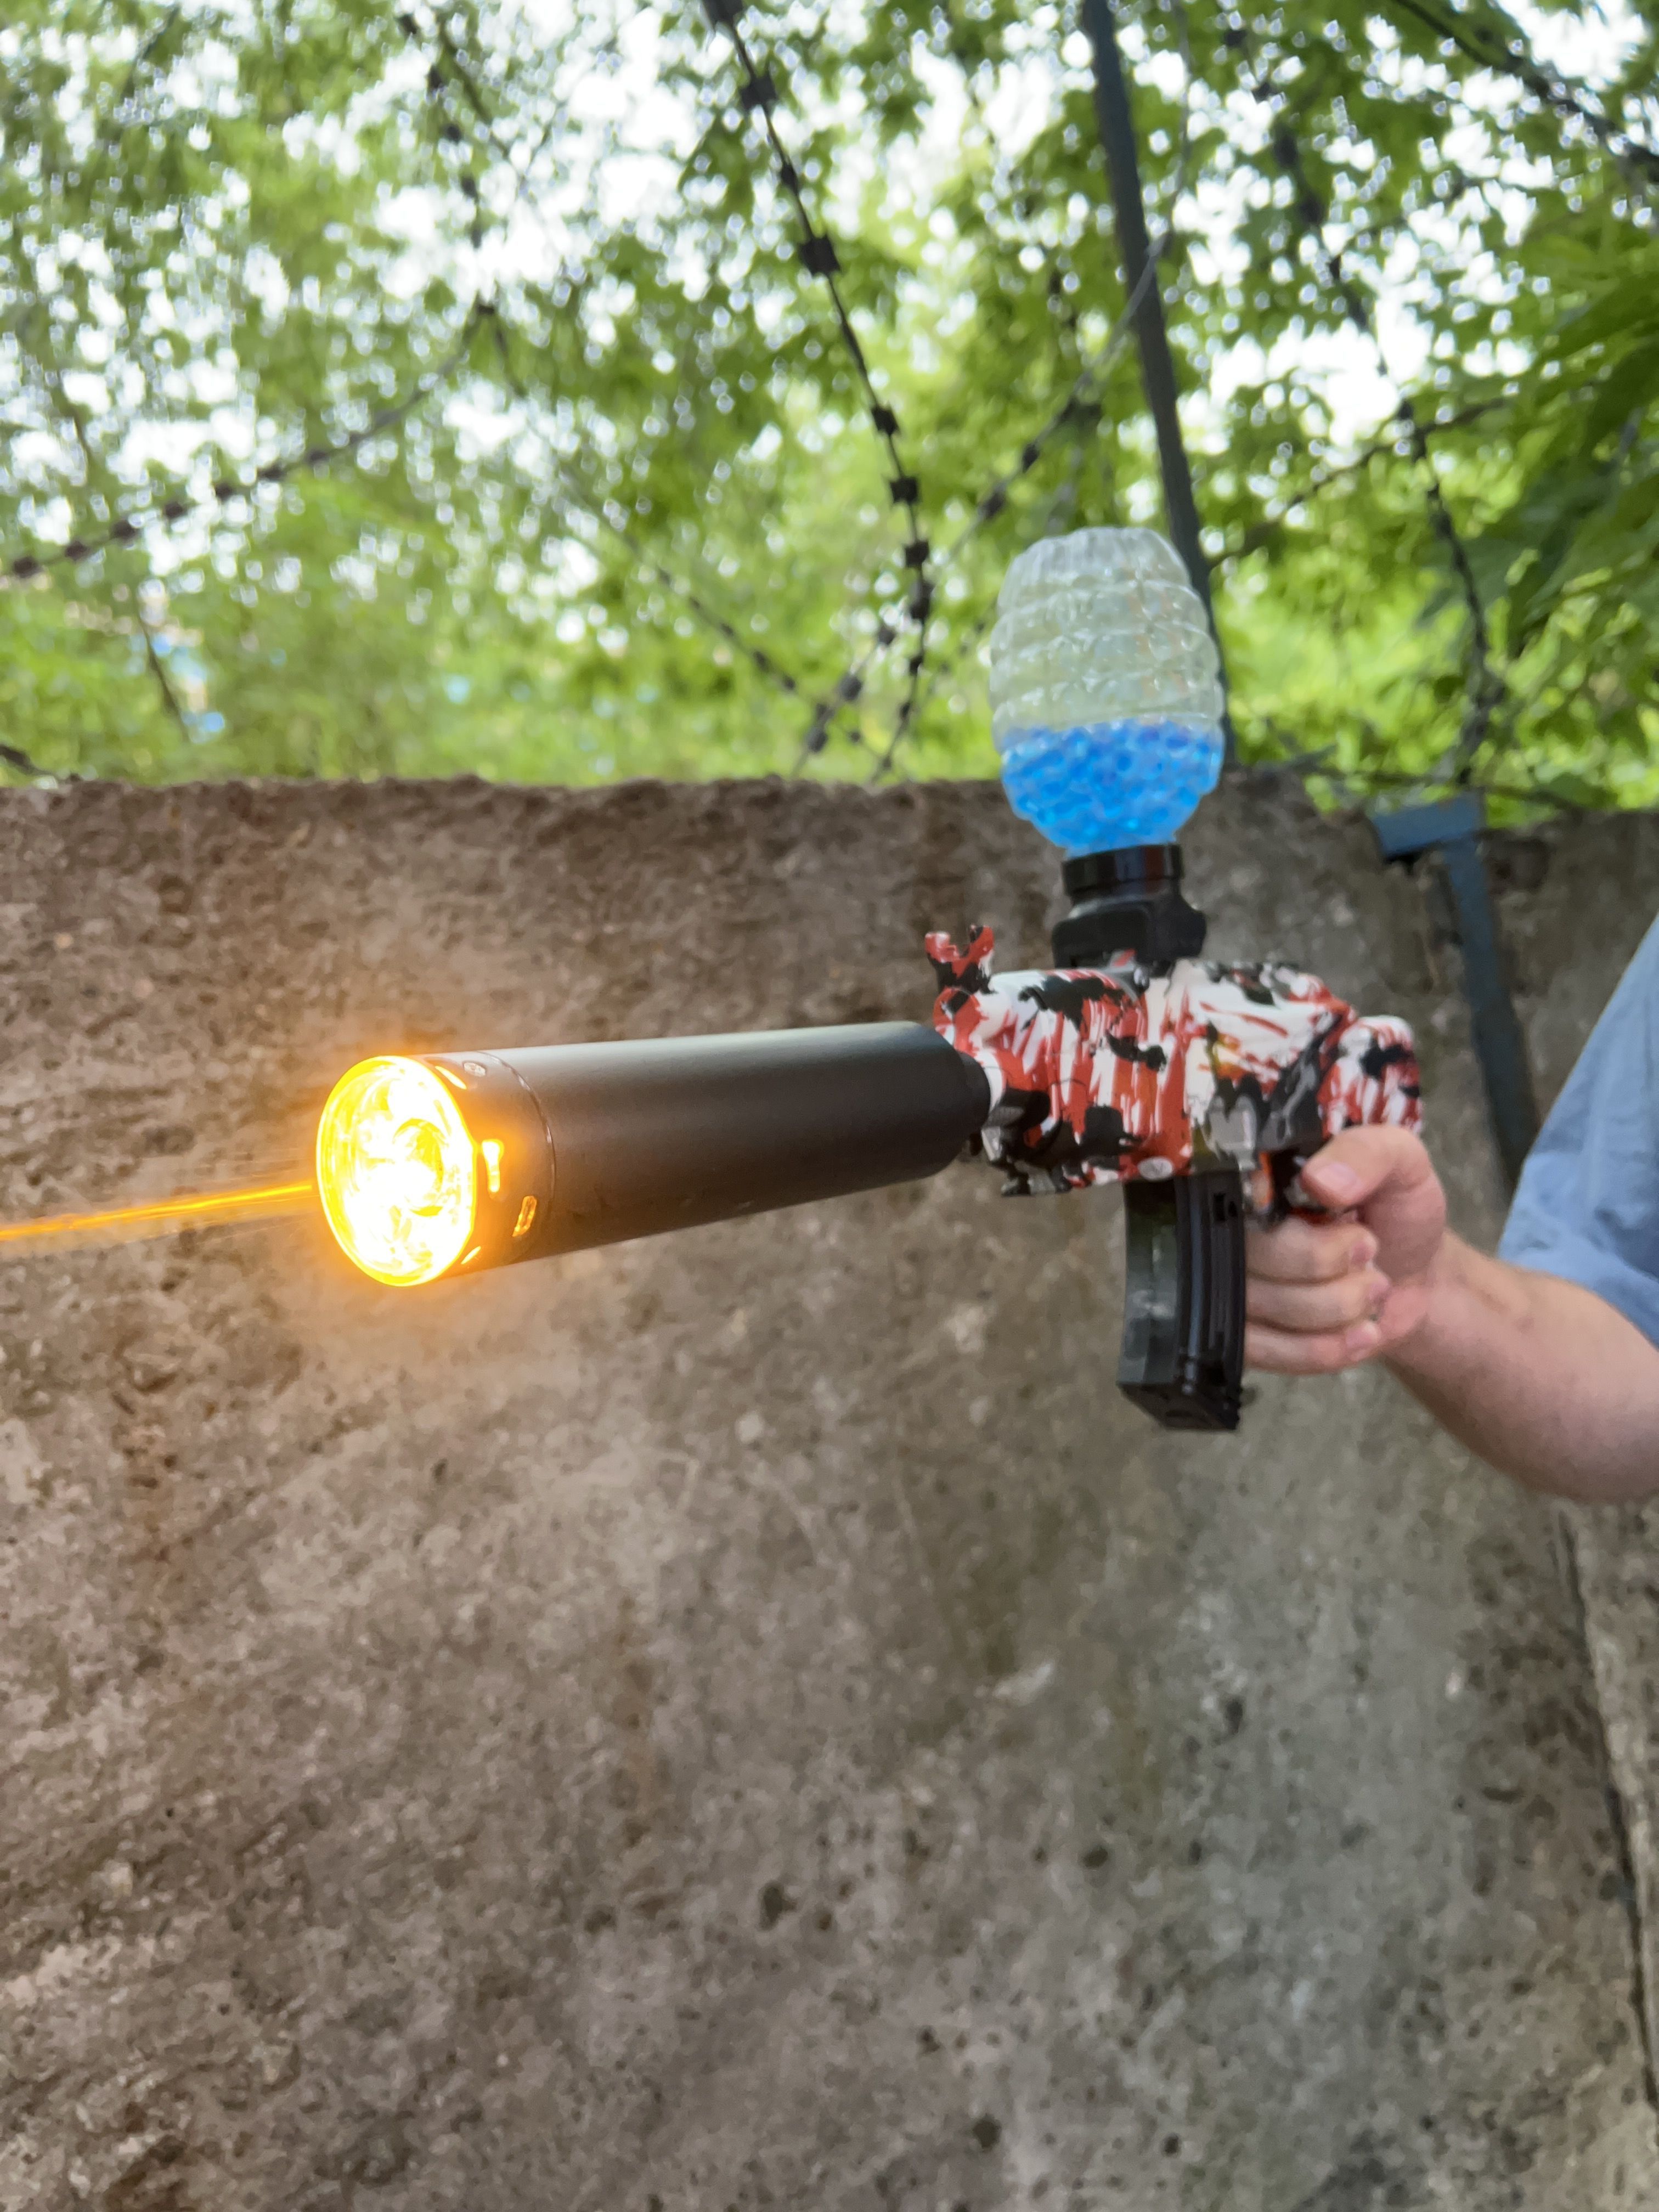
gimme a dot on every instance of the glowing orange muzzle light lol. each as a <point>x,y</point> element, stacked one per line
<point>397,1171</point>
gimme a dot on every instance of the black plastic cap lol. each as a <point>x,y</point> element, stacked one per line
<point>1126,901</point>
<point>1140,866</point>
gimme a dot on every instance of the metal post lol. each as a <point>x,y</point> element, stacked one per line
<point>1452,829</point>
<point>1156,368</point>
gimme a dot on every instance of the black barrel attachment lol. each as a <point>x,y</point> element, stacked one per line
<point>603,1143</point>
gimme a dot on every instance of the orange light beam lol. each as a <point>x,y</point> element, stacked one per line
<point>162,1217</point>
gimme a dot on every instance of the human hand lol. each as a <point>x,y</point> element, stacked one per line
<point>1326,1295</point>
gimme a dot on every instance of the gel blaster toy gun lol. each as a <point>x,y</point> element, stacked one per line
<point>1201,1087</point>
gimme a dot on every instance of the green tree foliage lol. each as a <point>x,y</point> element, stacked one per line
<point>566,471</point>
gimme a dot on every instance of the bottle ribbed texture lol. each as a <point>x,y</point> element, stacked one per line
<point>1106,698</point>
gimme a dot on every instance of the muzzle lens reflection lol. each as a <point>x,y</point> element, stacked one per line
<point>396,1170</point>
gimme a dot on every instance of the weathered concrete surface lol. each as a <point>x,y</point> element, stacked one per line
<point>1575,905</point>
<point>750,1719</point>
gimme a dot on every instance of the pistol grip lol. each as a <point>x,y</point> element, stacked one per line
<point>1183,1358</point>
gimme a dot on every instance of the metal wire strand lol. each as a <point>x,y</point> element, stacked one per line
<point>227,490</point>
<point>1486,687</point>
<point>598,509</point>
<point>1084,386</point>
<point>757,94</point>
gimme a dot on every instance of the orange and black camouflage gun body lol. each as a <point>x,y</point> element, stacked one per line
<point>1201,1087</point>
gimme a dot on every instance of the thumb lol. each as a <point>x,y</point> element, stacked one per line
<point>1361,1166</point>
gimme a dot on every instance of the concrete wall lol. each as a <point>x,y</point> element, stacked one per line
<point>752,1720</point>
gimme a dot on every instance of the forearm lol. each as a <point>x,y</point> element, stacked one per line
<point>1542,1379</point>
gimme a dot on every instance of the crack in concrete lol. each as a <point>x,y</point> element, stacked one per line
<point>1618,1821</point>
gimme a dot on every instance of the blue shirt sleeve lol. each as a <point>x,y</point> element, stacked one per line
<point>1588,1205</point>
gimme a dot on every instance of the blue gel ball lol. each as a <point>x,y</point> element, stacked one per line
<point>1103,785</point>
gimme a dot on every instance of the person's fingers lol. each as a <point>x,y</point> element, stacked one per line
<point>1289,1351</point>
<point>1297,1251</point>
<point>1385,1176</point>
<point>1403,1310</point>
<point>1316,1307</point>
<point>1354,1166</point>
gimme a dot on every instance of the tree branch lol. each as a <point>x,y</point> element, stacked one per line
<point>158,670</point>
<point>1486,685</point>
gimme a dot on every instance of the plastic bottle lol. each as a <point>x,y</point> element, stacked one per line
<point>1106,698</point>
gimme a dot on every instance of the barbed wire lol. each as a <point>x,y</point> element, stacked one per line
<point>849,686</point>
<point>603,511</point>
<point>15,758</point>
<point>757,94</point>
<point>600,507</point>
<point>1081,394</point>
<point>968,642</point>
<point>990,504</point>
<point>1486,685</point>
<point>1637,161</point>
<point>1077,399</point>
<point>1257,534</point>
<point>1358,782</point>
<point>227,489</point>
<point>987,508</point>
<point>440,78</point>
<point>994,501</point>
<point>452,81</point>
